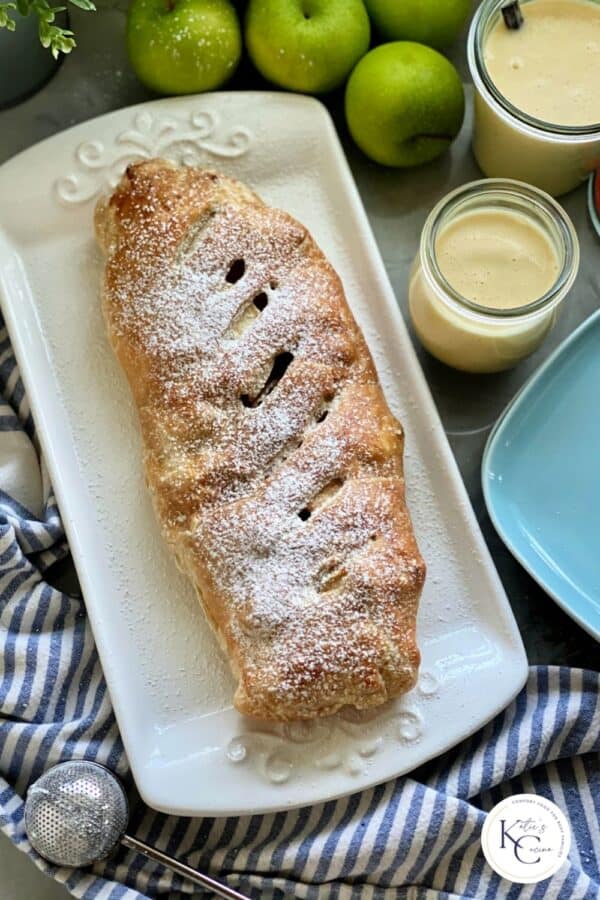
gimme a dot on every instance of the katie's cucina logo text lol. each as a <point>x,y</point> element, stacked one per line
<point>526,838</point>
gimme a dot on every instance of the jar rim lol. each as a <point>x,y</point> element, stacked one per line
<point>482,80</point>
<point>544,204</point>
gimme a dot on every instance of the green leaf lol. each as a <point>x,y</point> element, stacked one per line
<point>52,37</point>
<point>62,42</point>
<point>44,11</point>
<point>84,4</point>
<point>59,40</point>
<point>44,33</point>
<point>5,19</point>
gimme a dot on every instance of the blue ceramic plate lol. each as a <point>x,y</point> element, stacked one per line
<point>541,475</point>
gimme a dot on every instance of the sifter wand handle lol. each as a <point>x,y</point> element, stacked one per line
<point>181,869</point>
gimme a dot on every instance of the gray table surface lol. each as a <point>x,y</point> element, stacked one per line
<point>96,78</point>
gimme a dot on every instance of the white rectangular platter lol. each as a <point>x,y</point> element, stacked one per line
<point>190,752</point>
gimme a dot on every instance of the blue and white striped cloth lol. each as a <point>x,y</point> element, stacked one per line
<point>415,838</point>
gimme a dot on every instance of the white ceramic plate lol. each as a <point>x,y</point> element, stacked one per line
<point>190,752</point>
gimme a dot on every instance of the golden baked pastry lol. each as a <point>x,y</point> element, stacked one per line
<point>274,463</point>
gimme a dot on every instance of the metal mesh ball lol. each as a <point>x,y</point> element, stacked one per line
<point>76,813</point>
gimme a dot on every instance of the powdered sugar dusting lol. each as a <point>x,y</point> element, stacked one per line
<point>292,523</point>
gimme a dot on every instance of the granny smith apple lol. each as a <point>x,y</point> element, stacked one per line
<point>434,22</point>
<point>183,46</point>
<point>307,45</point>
<point>404,104</point>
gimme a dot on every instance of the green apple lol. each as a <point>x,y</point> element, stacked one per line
<point>436,23</point>
<point>404,104</point>
<point>183,46</point>
<point>307,45</point>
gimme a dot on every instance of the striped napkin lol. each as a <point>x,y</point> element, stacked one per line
<point>416,838</point>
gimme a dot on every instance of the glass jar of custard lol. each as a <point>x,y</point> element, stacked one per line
<point>537,92</point>
<point>496,259</point>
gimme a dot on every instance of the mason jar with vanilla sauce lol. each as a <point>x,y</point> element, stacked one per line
<point>537,91</point>
<point>496,260</point>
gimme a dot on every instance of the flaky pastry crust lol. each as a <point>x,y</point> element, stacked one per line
<point>274,463</point>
